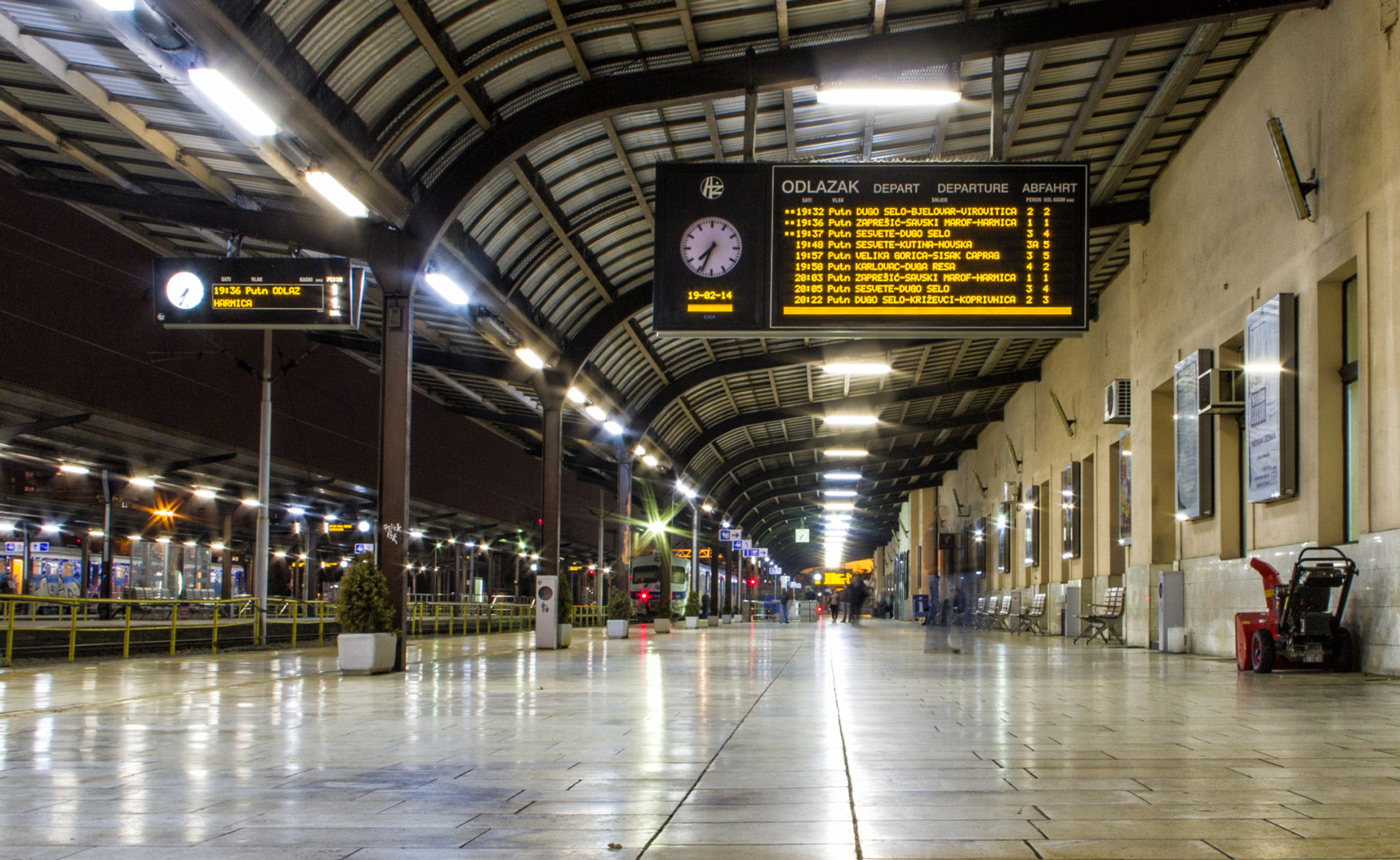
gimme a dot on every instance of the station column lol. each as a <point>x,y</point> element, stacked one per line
<point>623,580</point>
<point>549,388</point>
<point>396,276</point>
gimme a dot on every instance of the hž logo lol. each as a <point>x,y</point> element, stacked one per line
<point>711,187</point>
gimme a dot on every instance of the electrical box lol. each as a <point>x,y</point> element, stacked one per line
<point>546,612</point>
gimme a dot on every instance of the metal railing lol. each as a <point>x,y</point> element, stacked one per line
<point>54,626</point>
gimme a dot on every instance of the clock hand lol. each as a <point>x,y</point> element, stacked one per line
<point>705,257</point>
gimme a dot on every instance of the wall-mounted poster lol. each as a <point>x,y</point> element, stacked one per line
<point>1004,523</point>
<point>1125,489</point>
<point>1271,399</point>
<point>1031,508</point>
<point>1070,477</point>
<point>1195,440</point>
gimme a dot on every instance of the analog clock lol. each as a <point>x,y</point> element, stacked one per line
<point>711,247</point>
<point>185,290</point>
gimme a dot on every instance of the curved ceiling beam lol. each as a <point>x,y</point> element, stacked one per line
<point>971,39</point>
<point>649,411</point>
<point>751,419</point>
<point>813,471</point>
<point>864,519</point>
<point>602,324</point>
<point>907,452</point>
<point>741,514</point>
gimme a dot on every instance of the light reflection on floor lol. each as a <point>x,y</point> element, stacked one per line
<point>771,741</point>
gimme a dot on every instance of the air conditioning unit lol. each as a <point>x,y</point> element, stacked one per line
<point>1220,392</point>
<point>1118,402</point>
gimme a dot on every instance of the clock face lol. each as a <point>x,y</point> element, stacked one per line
<point>185,290</point>
<point>711,247</point>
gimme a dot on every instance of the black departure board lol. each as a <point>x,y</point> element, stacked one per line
<point>875,250</point>
<point>258,292</point>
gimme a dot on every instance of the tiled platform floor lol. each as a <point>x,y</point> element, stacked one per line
<point>795,741</point>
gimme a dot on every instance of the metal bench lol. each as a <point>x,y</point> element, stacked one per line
<point>1001,620</point>
<point>1098,623</point>
<point>1029,619</point>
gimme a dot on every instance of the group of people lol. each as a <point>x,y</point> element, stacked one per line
<point>848,603</point>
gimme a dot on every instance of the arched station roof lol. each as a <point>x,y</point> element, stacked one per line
<point>518,140</point>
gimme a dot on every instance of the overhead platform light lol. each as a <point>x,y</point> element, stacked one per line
<point>530,357</point>
<point>936,85</point>
<point>336,194</point>
<point>840,494</point>
<point>842,476</point>
<point>117,5</point>
<point>651,461</point>
<point>142,483</point>
<point>234,102</point>
<point>446,287</point>
<point>596,412</point>
<point>613,427</point>
<point>848,420</point>
<point>848,453</point>
<point>857,368</point>
<point>576,396</point>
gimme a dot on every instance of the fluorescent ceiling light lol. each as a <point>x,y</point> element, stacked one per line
<point>849,453</point>
<point>707,508</point>
<point>296,511</point>
<point>857,368</point>
<point>190,543</point>
<point>142,483</point>
<point>840,494</point>
<point>330,518</point>
<point>117,5</point>
<point>232,101</point>
<point>73,469</point>
<point>204,493</point>
<point>50,528</point>
<point>576,396</point>
<point>596,412</point>
<point>651,461</point>
<point>613,427</point>
<point>250,502</point>
<point>338,195</point>
<point>842,476</point>
<point>848,420</point>
<point>446,287</point>
<point>639,451</point>
<point>530,357</point>
<point>839,506</point>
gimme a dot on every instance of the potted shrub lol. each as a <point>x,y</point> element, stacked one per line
<point>727,615</point>
<point>712,616</point>
<point>692,610</point>
<point>619,614</point>
<point>367,641</point>
<point>566,612</point>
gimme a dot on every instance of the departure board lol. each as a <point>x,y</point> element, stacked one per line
<point>258,292</point>
<point>902,247</point>
<point>852,250</point>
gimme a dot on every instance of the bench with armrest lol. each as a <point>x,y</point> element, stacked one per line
<point>1002,619</point>
<point>1098,623</point>
<point>1029,619</point>
<point>981,614</point>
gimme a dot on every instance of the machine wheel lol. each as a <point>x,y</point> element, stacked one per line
<point>1261,652</point>
<point>1343,651</point>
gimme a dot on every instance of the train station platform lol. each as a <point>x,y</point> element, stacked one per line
<point>771,741</point>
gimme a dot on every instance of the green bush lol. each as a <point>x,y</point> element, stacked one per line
<point>566,600</point>
<point>619,606</point>
<point>363,603</point>
<point>728,606</point>
<point>692,604</point>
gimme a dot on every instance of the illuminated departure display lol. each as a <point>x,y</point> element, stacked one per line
<point>874,250</point>
<point>248,292</point>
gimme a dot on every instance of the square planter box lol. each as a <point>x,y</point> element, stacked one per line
<point>366,653</point>
<point>566,635</point>
<point>692,622</point>
<point>726,619</point>
<point>714,621</point>
<point>662,625</point>
<point>617,628</point>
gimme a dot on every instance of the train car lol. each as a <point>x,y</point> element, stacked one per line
<point>646,575</point>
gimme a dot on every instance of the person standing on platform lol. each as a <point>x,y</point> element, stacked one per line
<point>858,594</point>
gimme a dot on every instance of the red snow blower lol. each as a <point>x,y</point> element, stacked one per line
<point>1303,628</point>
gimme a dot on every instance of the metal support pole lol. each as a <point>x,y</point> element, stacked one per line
<point>623,578</point>
<point>696,583</point>
<point>261,548</point>
<point>389,258</point>
<point>311,570</point>
<point>226,558</point>
<point>602,538</point>
<point>24,574</point>
<point>104,587</point>
<point>998,106</point>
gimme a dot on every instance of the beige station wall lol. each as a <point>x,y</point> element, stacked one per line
<point>1223,239</point>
